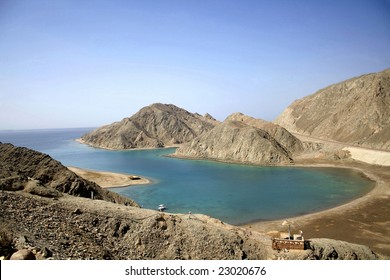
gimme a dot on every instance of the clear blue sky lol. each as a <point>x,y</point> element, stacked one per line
<point>88,63</point>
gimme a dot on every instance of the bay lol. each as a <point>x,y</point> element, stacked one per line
<point>234,193</point>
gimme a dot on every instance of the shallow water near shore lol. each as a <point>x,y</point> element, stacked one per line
<point>231,192</point>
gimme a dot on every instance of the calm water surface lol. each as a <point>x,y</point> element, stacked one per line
<point>230,192</point>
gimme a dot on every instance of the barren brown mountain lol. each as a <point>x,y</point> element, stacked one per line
<point>154,126</point>
<point>235,141</point>
<point>285,138</point>
<point>356,111</point>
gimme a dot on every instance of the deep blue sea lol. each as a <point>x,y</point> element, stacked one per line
<point>231,192</point>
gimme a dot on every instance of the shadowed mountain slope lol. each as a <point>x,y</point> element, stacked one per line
<point>37,173</point>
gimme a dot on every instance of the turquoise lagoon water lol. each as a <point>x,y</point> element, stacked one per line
<point>233,193</point>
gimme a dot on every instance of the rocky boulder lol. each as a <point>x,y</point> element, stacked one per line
<point>23,254</point>
<point>330,249</point>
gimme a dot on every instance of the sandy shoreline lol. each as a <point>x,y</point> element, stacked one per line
<point>109,179</point>
<point>369,156</point>
<point>81,141</point>
<point>365,220</point>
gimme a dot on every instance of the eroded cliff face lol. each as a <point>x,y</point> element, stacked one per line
<point>37,173</point>
<point>235,141</point>
<point>355,111</point>
<point>154,126</point>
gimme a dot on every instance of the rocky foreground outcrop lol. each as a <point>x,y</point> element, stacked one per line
<point>235,141</point>
<point>37,173</point>
<point>356,111</point>
<point>80,228</point>
<point>154,126</point>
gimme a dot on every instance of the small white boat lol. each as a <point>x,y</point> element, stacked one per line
<point>161,207</point>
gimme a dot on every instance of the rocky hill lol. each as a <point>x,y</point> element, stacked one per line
<point>235,141</point>
<point>356,111</point>
<point>154,126</point>
<point>284,137</point>
<point>37,173</point>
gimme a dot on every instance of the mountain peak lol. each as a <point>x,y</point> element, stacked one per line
<point>154,126</point>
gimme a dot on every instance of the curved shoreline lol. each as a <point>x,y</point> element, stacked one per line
<point>363,220</point>
<point>110,179</point>
<point>378,189</point>
<point>341,207</point>
<point>81,141</point>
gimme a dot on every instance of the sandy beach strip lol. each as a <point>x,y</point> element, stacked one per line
<point>81,141</point>
<point>109,179</point>
<point>369,156</point>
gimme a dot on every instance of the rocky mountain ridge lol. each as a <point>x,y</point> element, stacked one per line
<point>23,169</point>
<point>155,126</point>
<point>282,135</point>
<point>355,111</point>
<point>244,139</point>
<point>235,141</point>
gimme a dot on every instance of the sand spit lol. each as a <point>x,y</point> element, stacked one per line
<point>110,179</point>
